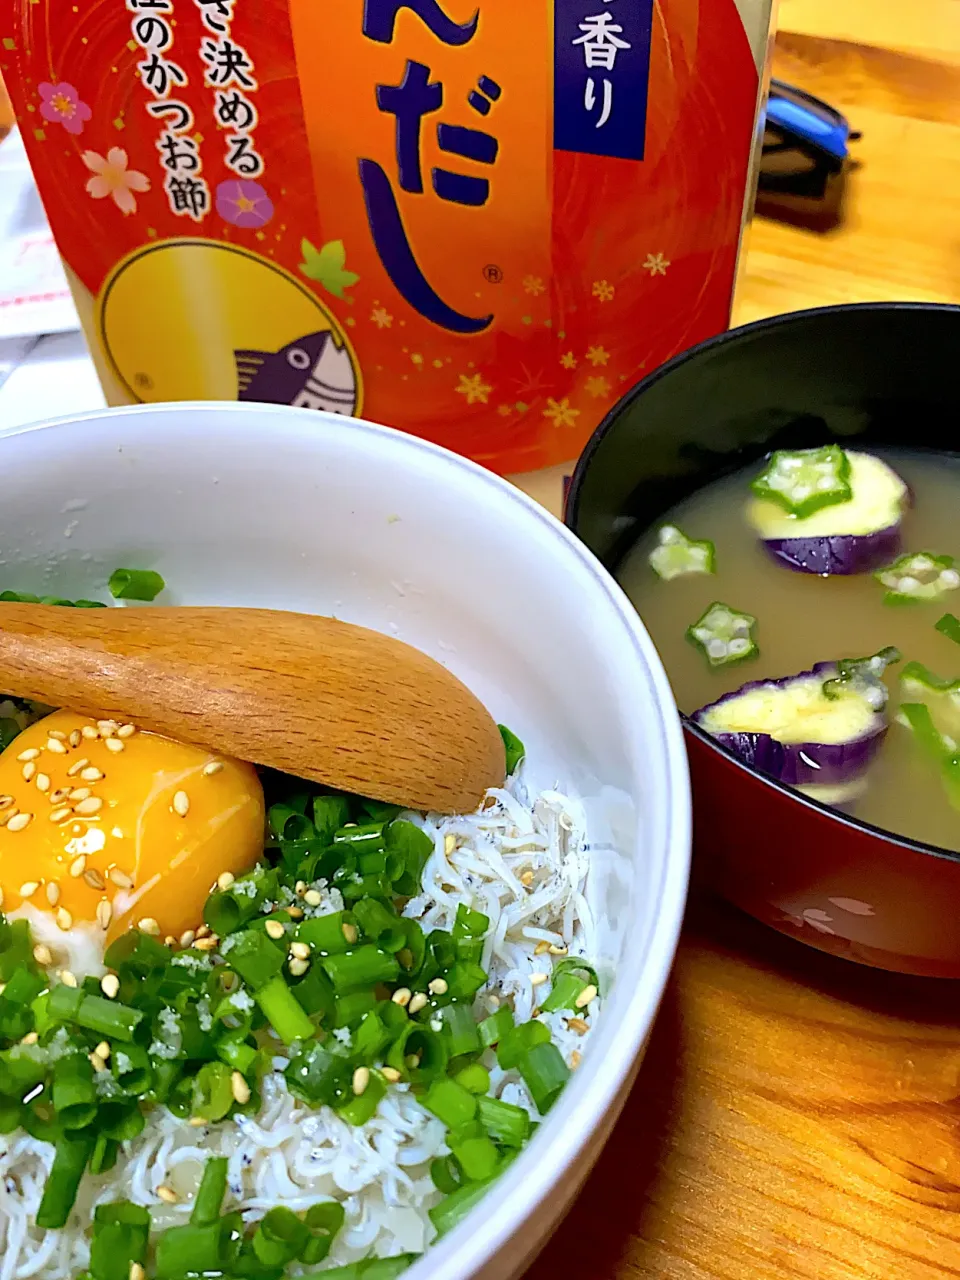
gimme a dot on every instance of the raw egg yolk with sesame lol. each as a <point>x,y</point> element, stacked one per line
<point>104,825</point>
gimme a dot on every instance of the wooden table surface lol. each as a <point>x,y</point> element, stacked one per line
<point>798,1117</point>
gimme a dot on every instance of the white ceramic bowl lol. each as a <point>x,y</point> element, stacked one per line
<point>285,508</point>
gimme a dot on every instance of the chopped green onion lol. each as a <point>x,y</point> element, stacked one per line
<point>474,1078</point>
<point>314,993</point>
<point>209,1198</point>
<point>564,993</point>
<point>949,626</point>
<point>255,958</point>
<point>418,1054</point>
<point>507,1125</point>
<point>446,1174</point>
<point>460,1028</point>
<point>121,1231</point>
<point>105,1017</point>
<point>227,910</point>
<point>464,980</point>
<point>352,1009</point>
<point>280,1237</point>
<point>74,1093</point>
<point>513,747</point>
<point>493,1029</point>
<point>323,1221</point>
<point>362,967</point>
<point>196,1249</point>
<point>212,1091</point>
<point>104,1155</point>
<point>358,1108</point>
<point>283,1012</point>
<point>135,584</point>
<point>330,813</point>
<point>414,847</point>
<point>515,1043</point>
<point>73,1151</point>
<point>325,933</point>
<point>478,1157</point>
<point>450,1102</point>
<point>318,1077</point>
<point>451,1211</point>
<point>544,1073</point>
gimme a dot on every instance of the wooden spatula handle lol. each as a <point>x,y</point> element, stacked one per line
<point>312,696</point>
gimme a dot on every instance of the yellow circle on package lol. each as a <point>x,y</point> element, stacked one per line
<point>195,319</point>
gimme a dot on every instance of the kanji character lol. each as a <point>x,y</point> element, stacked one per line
<point>227,64</point>
<point>159,73</point>
<point>216,14</point>
<point>151,33</point>
<point>171,107</point>
<point>178,154</point>
<point>380,20</point>
<point>590,99</point>
<point>601,40</point>
<point>242,157</point>
<point>188,195</point>
<point>410,101</point>
<point>235,110</point>
<point>393,248</point>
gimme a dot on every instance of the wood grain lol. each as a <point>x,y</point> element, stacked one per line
<point>798,1117</point>
<point>312,696</point>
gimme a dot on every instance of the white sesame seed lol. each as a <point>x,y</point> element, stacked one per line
<point>197,1122</point>
<point>78,866</point>
<point>77,766</point>
<point>349,932</point>
<point>67,978</point>
<point>436,1025</point>
<point>56,746</point>
<point>575,1059</point>
<point>97,1063</point>
<point>312,898</point>
<point>541,948</point>
<point>240,1089</point>
<point>19,821</point>
<point>203,931</point>
<point>300,888</point>
<point>29,888</point>
<point>104,913</point>
<point>28,770</point>
<point>30,1038</point>
<point>114,744</point>
<point>58,734</point>
<point>91,774</point>
<point>586,996</point>
<point>75,738</point>
<point>148,925</point>
<point>417,1002</point>
<point>58,795</point>
<point>43,782</point>
<point>294,913</point>
<point>170,941</point>
<point>6,802</point>
<point>30,754</point>
<point>299,967</point>
<point>578,1025</point>
<point>274,929</point>
<point>94,879</point>
<point>103,1050</point>
<point>207,944</point>
<point>136,1270</point>
<point>89,732</point>
<point>79,793</point>
<point>361,1078</point>
<point>299,950</point>
<point>107,727</point>
<point>449,844</point>
<point>213,767</point>
<point>110,985</point>
<point>64,919</point>
<point>438,987</point>
<point>43,955</point>
<point>60,815</point>
<point>537,978</point>
<point>225,880</point>
<point>527,878</point>
<point>391,1074</point>
<point>555,950</point>
<point>401,997</point>
<point>181,803</point>
<point>53,893</point>
<point>6,815</point>
<point>167,1194</point>
<point>120,878</point>
<point>92,804</point>
<point>187,937</point>
<point>126,731</point>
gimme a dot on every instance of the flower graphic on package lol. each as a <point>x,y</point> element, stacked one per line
<point>244,203</point>
<point>60,104</point>
<point>111,177</point>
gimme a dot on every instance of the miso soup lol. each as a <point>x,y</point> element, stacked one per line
<point>910,783</point>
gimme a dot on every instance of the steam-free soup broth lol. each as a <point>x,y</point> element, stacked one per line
<point>909,784</point>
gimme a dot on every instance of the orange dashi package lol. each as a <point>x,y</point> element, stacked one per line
<point>476,220</point>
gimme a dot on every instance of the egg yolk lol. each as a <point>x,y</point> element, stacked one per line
<point>106,825</point>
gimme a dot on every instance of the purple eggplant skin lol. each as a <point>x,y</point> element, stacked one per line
<point>842,553</point>
<point>800,763</point>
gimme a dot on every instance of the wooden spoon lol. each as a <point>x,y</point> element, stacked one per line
<point>311,696</point>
